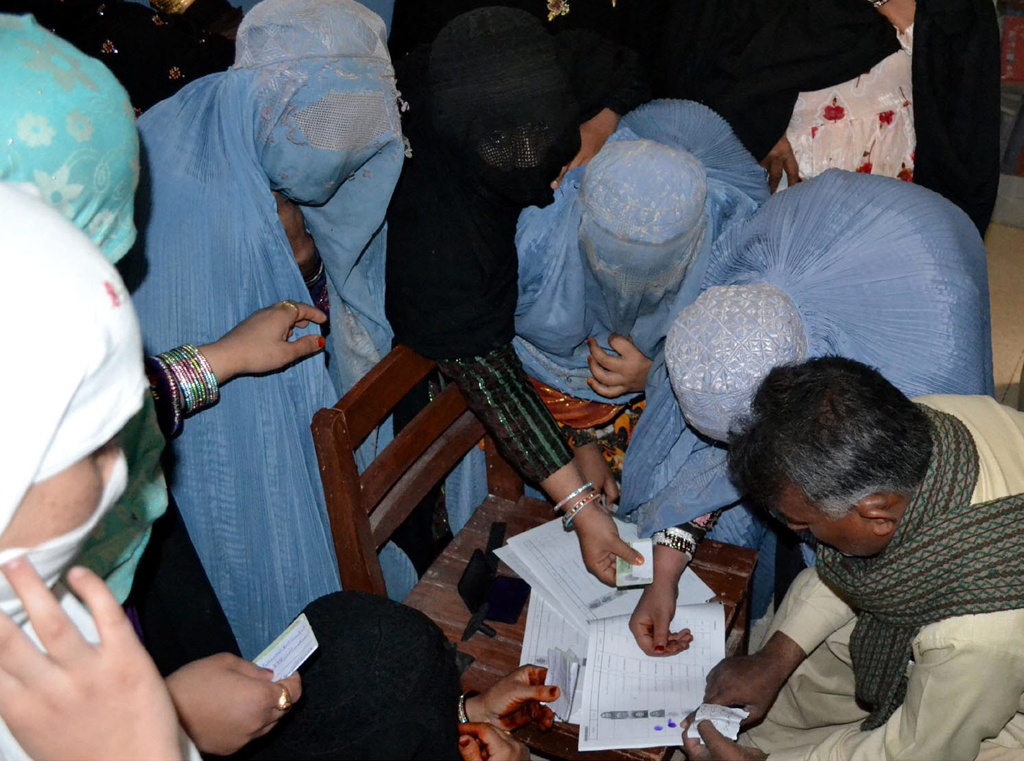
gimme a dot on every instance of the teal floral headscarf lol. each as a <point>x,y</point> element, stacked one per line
<point>67,126</point>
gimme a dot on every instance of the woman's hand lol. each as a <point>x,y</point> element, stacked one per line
<point>615,376</point>
<point>78,700</point>
<point>593,135</point>
<point>600,543</point>
<point>482,742</point>
<point>515,701</point>
<point>594,469</point>
<point>657,606</point>
<point>303,247</point>
<point>260,343</point>
<point>224,702</point>
<point>781,159</point>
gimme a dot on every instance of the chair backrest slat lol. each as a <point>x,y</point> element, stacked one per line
<point>411,444</point>
<point>439,459</point>
<point>376,394</point>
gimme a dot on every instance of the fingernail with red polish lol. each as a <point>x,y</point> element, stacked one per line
<point>321,341</point>
<point>659,648</point>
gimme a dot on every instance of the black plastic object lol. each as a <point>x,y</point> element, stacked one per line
<point>478,580</point>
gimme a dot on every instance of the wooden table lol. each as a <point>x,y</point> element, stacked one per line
<point>724,568</point>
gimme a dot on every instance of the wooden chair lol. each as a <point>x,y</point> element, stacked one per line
<point>364,509</point>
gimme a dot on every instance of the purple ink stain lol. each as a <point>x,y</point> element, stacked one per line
<point>672,724</point>
<point>658,727</point>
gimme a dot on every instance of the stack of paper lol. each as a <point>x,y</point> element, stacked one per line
<point>579,629</point>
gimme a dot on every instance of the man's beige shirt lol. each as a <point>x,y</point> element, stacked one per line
<point>966,685</point>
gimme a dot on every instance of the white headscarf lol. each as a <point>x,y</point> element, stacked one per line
<point>73,376</point>
<point>74,372</point>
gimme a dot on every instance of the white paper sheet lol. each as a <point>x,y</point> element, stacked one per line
<point>631,700</point>
<point>563,672</point>
<point>725,719</point>
<point>549,558</point>
<point>547,630</point>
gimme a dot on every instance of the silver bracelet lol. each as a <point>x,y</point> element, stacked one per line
<point>678,539</point>
<point>878,3</point>
<point>463,716</point>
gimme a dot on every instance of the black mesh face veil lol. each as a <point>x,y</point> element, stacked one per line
<point>501,103</point>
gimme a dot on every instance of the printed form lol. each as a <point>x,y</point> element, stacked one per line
<point>573,620</point>
<point>548,558</point>
<point>631,700</point>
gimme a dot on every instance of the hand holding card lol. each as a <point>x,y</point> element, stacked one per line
<point>290,650</point>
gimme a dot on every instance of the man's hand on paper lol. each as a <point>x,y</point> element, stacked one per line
<point>600,543</point>
<point>594,468</point>
<point>715,747</point>
<point>653,615</point>
<point>754,681</point>
<point>515,701</point>
<point>224,701</point>
<point>482,742</point>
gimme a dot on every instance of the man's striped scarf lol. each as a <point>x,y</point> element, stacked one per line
<point>947,558</point>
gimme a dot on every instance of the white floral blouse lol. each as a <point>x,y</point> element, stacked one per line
<point>864,125</point>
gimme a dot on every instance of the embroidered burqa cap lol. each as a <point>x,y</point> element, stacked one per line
<point>721,346</point>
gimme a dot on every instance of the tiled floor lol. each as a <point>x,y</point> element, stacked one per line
<point>1006,283</point>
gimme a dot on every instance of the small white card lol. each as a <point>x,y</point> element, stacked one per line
<point>629,575</point>
<point>726,720</point>
<point>563,672</point>
<point>290,650</point>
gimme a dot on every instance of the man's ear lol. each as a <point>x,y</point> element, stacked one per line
<point>881,511</point>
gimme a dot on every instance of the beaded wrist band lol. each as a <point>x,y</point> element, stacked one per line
<point>193,376</point>
<point>573,511</point>
<point>678,539</point>
<point>578,492</point>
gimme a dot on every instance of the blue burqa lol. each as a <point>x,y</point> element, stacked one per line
<point>563,300</point>
<point>309,109</point>
<point>880,271</point>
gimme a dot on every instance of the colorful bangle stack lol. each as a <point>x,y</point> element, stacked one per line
<point>578,492</point>
<point>573,511</point>
<point>193,383</point>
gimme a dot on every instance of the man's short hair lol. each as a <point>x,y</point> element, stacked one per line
<point>833,427</point>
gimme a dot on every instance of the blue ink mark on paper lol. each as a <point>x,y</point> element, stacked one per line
<point>658,727</point>
<point>672,724</point>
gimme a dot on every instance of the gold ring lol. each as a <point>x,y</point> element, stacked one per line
<point>292,304</point>
<point>285,701</point>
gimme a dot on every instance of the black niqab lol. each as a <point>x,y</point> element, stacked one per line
<point>492,120</point>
